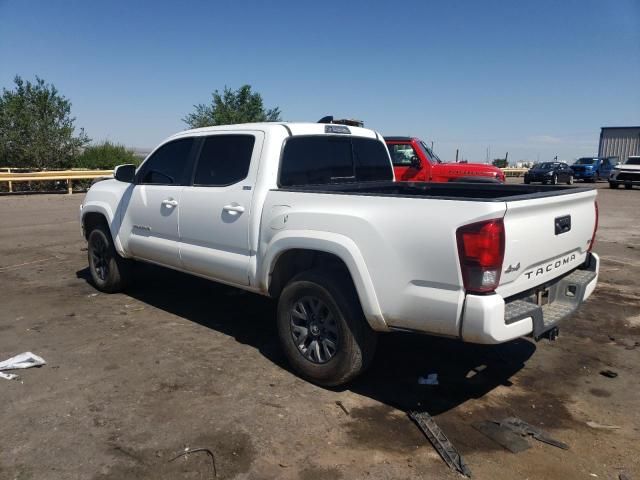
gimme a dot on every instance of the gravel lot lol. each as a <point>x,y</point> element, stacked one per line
<point>132,380</point>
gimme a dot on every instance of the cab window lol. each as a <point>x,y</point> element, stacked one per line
<point>168,165</point>
<point>401,154</point>
<point>224,160</point>
<point>328,159</point>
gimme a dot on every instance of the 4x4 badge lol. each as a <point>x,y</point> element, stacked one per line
<point>513,268</point>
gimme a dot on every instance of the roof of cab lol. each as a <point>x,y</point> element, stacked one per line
<point>290,128</point>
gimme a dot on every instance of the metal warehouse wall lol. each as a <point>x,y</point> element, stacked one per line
<point>619,142</point>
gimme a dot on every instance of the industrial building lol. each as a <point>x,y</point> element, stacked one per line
<point>621,142</point>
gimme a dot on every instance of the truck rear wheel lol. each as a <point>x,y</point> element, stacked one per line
<point>322,328</point>
<point>109,271</point>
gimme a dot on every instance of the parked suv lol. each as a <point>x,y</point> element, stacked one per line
<point>627,174</point>
<point>549,172</point>
<point>592,169</point>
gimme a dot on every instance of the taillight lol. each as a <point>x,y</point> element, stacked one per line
<point>595,229</point>
<point>481,252</point>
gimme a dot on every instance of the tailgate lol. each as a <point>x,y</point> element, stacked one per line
<point>545,238</point>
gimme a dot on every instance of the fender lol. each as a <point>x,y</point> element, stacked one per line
<point>336,244</point>
<point>109,200</point>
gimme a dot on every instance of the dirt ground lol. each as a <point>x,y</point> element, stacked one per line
<point>132,380</point>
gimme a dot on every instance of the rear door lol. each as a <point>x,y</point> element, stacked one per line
<point>545,238</point>
<point>151,216</point>
<point>216,207</point>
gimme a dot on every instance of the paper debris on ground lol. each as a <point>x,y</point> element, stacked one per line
<point>23,360</point>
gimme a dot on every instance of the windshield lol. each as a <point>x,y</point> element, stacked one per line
<point>430,154</point>
<point>547,165</point>
<point>585,161</point>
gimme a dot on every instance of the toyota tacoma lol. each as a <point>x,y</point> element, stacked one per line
<point>310,215</point>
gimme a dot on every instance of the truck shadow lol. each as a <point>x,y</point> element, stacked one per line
<point>464,371</point>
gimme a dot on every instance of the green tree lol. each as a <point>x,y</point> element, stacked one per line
<point>36,127</point>
<point>105,155</point>
<point>500,163</point>
<point>229,107</point>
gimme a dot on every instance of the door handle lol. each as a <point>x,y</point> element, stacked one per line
<point>170,203</point>
<point>233,208</point>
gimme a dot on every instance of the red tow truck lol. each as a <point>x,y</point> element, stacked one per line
<point>414,161</point>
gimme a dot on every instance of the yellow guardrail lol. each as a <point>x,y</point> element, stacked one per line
<point>51,175</point>
<point>514,172</point>
<point>70,175</point>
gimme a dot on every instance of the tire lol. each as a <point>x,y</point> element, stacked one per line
<point>554,179</point>
<point>613,185</point>
<point>110,272</point>
<point>570,181</point>
<point>628,186</point>
<point>322,306</point>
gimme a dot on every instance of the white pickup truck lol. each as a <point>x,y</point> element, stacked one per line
<point>310,215</point>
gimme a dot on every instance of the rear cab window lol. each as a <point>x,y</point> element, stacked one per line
<point>330,159</point>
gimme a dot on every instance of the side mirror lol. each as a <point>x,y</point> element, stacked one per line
<point>415,163</point>
<point>125,173</point>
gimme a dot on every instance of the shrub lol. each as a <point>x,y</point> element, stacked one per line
<point>105,155</point>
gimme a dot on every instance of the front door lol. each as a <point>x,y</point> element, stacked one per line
<point>216,209</point>
<point>407,165</point>
<point>151,217</point>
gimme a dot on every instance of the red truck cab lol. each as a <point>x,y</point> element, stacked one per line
<point>414,161</point>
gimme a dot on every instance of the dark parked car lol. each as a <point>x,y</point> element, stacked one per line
<point>550,172</point>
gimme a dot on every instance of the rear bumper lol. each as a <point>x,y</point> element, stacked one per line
<point>490,319</point>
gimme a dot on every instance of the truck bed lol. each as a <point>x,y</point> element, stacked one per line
<point>480,192</point>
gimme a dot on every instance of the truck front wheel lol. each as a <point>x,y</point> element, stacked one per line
<point>322,328</point>
<point>109,271</point>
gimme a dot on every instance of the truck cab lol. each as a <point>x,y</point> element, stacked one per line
<point>414,161</point>
<point>592,169</point>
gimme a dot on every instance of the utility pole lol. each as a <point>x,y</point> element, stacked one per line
<point>456,155</point>
<point>506,158</point>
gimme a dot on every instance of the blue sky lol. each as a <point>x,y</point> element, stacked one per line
<point>533,78</point>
